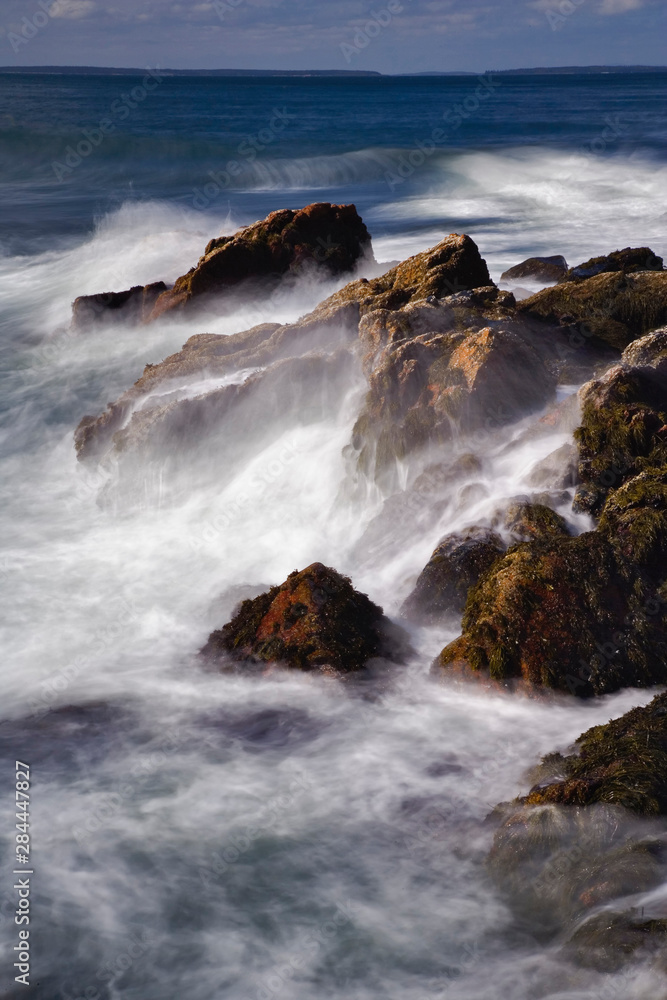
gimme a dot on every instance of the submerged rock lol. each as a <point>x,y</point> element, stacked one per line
<point>456,565</point>
<point>544,268</point>
<point>331,237</point>
<point>628,261</point>
<point>612,307</point>
<point>315,621</point>
<point>134,305</point>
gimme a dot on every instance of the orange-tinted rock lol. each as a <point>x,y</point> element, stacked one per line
<point>314,621</point>
<point>544,268</point>
<point>331,237</point>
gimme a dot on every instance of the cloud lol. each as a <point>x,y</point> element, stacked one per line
<point>73,10</point>
<point>619,6</point>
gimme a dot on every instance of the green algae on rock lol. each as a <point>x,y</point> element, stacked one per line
<point>628,261</point>
<point>315,621</point>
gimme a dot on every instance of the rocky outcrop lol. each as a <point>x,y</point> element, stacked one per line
<point>584,615</point>
<point>315,621</point>
<point>526,521</point>
<point>132,306</point>
<point>628,261</point>
<point>547,269</point>
<point>624,421</point>
<point>330,237</point>
<point>573,855</point>
<point>456,565</point>
<point>453,263</point>
<point>621,763</point>
<point>613,307</point>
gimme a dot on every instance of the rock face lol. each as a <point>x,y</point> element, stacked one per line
<point>331,237</point>
<point>456,565</point>
<point>614,307</point>
<point>628,261</point>
<point>527,521</point>
<point>315,621</point>
<point>134,305</point>
<point>544,268</point>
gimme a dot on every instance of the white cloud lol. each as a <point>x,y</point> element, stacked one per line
<point>619,6</point>
<point>72,9</point>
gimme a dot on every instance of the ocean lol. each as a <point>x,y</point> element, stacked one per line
<point>151,777</point>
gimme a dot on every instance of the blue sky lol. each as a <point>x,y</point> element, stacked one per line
<point>392,36</point>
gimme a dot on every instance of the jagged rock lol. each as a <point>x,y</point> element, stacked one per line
<point>331,237</point>
<point>558,471</point>
<point>134,305</point>
<point>526,521</point>
<point>544,268</point>
<point>456,565</point>
<point>628,261</point>
<point>315,621</point>
<point>612,307</point>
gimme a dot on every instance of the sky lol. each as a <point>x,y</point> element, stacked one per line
<point>390,36</point>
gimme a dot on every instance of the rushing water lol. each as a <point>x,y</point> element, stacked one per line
<point>212,836</point>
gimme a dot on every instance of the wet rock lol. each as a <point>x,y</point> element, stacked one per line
<point>427,388</point>
<point>558,471</point>
<point>572,614</point>
<point>131,306</point>
<point>623,762</point>
<point>331,237</point>
<point>615,307</point>
<point>628,261</point>
<point>527,521</point>
<point>607,941</point>
<point>544,268</point>
<point>456,565</point>
<point>623,423</point>
<point>315,621</point>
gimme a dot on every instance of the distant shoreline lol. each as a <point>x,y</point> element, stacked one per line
<point>271,73</point>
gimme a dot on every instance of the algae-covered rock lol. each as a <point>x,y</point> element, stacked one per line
<point>572,614</point>
<point>315,621</point>
<point>628,261</point>
<point>613,307</point>
<point>623,762</point>
<point>331,237</point>
<point>527,521</point>
<point>457,563</point>
<point>623,422</point>
<point>543,268</point>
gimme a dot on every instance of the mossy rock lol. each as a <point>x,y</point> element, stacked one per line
<point>628,261</point>
<point>457,563</point>
<point>527,521</point>
<point>315,621</point>
<point>623,762</point>
<point>606,941</point>
<point>571,614</point>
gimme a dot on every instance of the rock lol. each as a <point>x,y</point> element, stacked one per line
<point>612,307</point>
<point>623,422</point>
<point>426,389</point>
<point>457,563</point>
<point>558,471</point>
<point>330,237</point>
<point>315,621</point>
<point>628,261</point>
<point>133,306</point>
<point>527,521</point>
<point>571,614</point>
<point>544,268</point>
<point>623,762</point>
<point>569,853</point>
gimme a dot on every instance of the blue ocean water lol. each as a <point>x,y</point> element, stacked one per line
<point>230,838</point>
